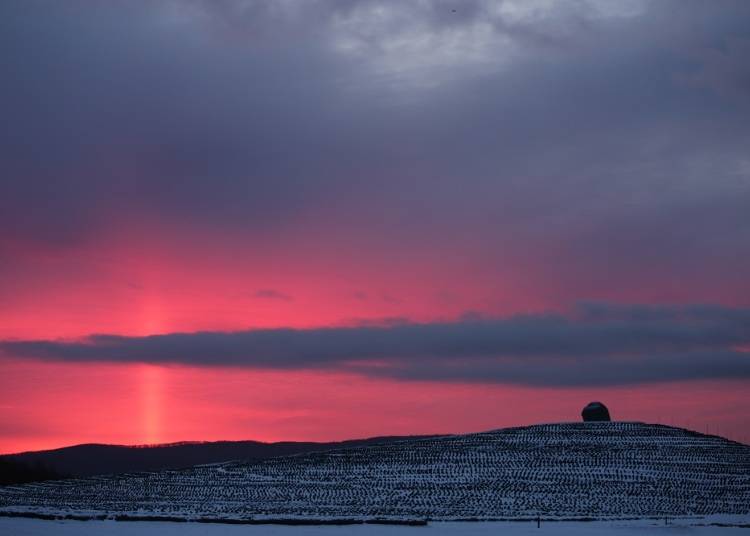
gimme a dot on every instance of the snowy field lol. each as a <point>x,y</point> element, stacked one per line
<point>34,527</point>
<point>607,470</point>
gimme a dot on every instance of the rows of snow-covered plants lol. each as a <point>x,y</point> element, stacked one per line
<point>597,470</point>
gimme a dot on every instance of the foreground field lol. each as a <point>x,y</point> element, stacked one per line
<point>35,527</point>
<point>575,470</point>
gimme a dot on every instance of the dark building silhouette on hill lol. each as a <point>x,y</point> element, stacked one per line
<point>595,411</point>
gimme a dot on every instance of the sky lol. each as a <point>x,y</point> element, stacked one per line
<point>320,220</point>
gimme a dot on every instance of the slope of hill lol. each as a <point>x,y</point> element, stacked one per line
<point>94,459</point>
<point>592,470</point>
<point>15,472</point>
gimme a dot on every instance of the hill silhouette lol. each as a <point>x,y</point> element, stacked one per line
<point>98,459</point>
<point>594,470</point>
<point>18,472</point>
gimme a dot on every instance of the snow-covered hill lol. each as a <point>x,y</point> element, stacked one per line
<point>572,470</point>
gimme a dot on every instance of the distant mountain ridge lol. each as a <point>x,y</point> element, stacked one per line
<point>92,459</point>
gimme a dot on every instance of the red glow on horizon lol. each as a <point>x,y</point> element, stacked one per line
<point>164,283</point>
<point>152,403</point>
<point>146,404</point>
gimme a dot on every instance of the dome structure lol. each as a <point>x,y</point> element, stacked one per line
<point>595,411</point>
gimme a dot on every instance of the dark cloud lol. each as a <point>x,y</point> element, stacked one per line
<point>599,344</point>
<point>271,294</point>
<point>604,142</point>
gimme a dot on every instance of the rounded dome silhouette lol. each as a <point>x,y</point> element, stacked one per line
<point>595,411</point>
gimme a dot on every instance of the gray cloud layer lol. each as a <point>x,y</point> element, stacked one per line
<point>598,137</point>
<point>599,344</point>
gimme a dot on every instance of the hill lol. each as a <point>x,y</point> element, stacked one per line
<point>15,472</point>
<point>573,470</point>
<point>95,459</point>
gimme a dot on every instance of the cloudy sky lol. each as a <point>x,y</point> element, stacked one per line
<point>325,219</point>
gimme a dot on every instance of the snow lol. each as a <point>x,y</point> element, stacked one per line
<point>602,471</point>
<point>36,527</point>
